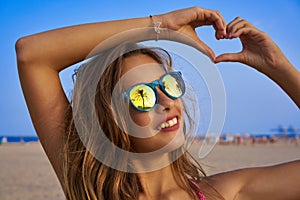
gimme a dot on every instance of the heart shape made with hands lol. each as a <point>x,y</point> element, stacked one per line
<point>223,56</point>
<point>190,37</point>
<point>193,39</point>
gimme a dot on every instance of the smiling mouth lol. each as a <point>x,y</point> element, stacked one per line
<point>169,124</point>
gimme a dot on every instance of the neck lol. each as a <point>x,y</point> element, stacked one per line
<point>144,163</point>
<point>157,183</point>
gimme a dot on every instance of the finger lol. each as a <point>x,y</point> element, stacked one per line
<point>223,20</point>
<point>215,19</point>
<point>244,31</point>
<point>233,26</point>
<point>230,57</point>
<point>234,21</point>
<point>221,34</point>
<point>220,27</point>
<point>202,47</point>
<point>236,26</point>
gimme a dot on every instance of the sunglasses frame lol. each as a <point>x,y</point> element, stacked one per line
<point>153,85</point>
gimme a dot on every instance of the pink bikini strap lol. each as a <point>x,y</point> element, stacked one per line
<point>198,190</point>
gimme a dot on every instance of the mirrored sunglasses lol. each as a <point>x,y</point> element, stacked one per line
<point>144,96</point>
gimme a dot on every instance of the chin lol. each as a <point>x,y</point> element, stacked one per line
<point>176,142</point>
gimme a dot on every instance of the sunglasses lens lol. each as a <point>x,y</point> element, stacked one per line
<point>142,97</point>
<point>173,85</point>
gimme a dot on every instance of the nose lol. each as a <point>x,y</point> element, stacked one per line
<point>164,102</point>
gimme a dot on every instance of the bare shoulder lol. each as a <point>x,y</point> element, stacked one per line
<point>281,181</point>
<point>224,185</point>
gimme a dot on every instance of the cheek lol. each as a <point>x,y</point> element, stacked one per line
<point>144,119</point>
<point>179,105</point>
<point>140,118</point>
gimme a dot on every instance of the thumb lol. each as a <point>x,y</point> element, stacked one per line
<point>190,38</point>
<point>229,57</point>
<point>202,47</point>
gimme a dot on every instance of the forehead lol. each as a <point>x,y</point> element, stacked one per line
<point>141,68</point>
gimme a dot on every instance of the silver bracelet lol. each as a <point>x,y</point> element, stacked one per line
<point>156,26</point>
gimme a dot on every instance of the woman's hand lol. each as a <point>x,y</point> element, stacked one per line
<point>185,21</point>
<point>259,51</point>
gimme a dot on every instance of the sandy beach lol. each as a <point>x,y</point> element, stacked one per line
<point>26,172</point>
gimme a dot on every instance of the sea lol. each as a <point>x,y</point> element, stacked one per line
<point>33,139</point>
<point>18,139</point>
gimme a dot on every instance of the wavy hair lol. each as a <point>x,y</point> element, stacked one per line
<point>85,177</point>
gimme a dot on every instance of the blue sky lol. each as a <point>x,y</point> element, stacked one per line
<point>254,103</point>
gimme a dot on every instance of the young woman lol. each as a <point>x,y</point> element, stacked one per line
<point>147,115</point>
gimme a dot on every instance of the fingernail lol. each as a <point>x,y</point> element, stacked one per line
<point>224,34</point>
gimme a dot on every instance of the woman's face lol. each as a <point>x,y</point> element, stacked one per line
<point>161,126</point>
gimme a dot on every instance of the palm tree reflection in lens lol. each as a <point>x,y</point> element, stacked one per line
<point>142,97</point>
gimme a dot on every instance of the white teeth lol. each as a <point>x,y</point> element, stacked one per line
<point>175,120</point>
<point>169,123</point>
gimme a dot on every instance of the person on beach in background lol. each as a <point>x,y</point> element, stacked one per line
<point>42,56</point>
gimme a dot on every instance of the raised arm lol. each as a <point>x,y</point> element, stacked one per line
<point>260,52</point>
<point>42,56</point>
<point>275,182</point>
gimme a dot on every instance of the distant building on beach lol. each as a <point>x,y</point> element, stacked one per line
<point>288,134</point>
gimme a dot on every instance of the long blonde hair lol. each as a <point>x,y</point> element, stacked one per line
<point>85,177</point>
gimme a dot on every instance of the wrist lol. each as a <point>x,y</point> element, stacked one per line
<point>282,68</point>
<point>288,78</point>
<point>157,19</point>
